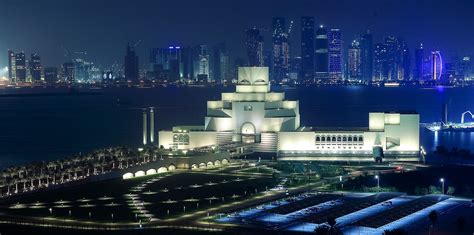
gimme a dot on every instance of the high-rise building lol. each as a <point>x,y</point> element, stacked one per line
<point>307,48</point>
<point>295,69</point>
<point>380,63</point>
<point>463,69</point>
<point>397,58</point>
<point>367,56</point>
<point>20,64</point>
<point>12,66</point>
<point>354,62</point>
<point>418,73</point>
<point>281,49</point>
<point>220,63</point>
<point>405,63</point>
<point>335,54</point>
<point>131,65</point>
<point>254,43</point>
<point>436,65</point>
<point>51,74</point>
<point>172,63</point>
<point>201,63</point>
<point>68,72</point>
<point>35,67</point>
<point>392,52</point>
<point>84,71</point>
<point>321,54</point>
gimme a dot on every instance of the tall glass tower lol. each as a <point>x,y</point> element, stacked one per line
<point>321,54</point>
<point>307,48</point>
<point>335,54</point>
<point>367,56</point>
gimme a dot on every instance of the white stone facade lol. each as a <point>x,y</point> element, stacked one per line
<point>256,115</point>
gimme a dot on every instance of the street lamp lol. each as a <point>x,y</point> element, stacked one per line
<point>51,211</point>
<point>442,185</point>
<point>378,182</point>
<point>342,184</point>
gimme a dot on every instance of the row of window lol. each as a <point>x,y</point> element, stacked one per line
<point>339,139</point>
<point>339,144</point>
<point>339,147</point>
<point>181,139</point>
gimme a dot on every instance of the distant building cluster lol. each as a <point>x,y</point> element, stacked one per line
<point>24,70</point>
<point>325,58</point>
<point>172,64</point>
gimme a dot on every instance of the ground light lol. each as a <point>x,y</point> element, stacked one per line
<point>378,182</point>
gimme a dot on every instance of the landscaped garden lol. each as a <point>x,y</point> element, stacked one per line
<point>143,198</point>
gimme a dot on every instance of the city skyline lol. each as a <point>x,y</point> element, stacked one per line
<point>105,39</point>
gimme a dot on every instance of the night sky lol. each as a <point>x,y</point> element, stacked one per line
<point>103,27</point>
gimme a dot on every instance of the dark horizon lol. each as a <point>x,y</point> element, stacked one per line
<point>103,28</point>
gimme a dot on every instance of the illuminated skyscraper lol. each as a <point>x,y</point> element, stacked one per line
<point>83,71</point>
<point>463,68</point>
<point>397,58</point>
<point>436,65</point>
<point>335,54</point>
<point>220,63</point>
<point>367,56</point>
<point>51,74</point>
<point>20,64</point>
<point>281,49</point>
<point>175,63</point>
<point>131,65</point>
<point>391,44</point>
<point>380,62</point>
<point>201,63</point>
<point>321,54</point>
<point>354,61</point>
<point>405,63</point>
<point>11,66</point>
<point>418,72</point>
<point>254,44</point>
<point>35,67</point>
<point>307,47</point>
<point>68,72</point>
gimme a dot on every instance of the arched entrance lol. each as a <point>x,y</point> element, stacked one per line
<point>248,133</point>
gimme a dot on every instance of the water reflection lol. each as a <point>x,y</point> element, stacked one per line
<point>460,140</point>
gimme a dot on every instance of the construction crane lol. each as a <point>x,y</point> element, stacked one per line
<point>137,44</point>
<point>68,54</point>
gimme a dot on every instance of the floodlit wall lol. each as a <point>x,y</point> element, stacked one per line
<point>296,141</point>
<point>219,124</point>
<point>196,139</point>
<point>376,121</point>
<point>202,138</point>
<point>408,132</point>
<point>165,138</point>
